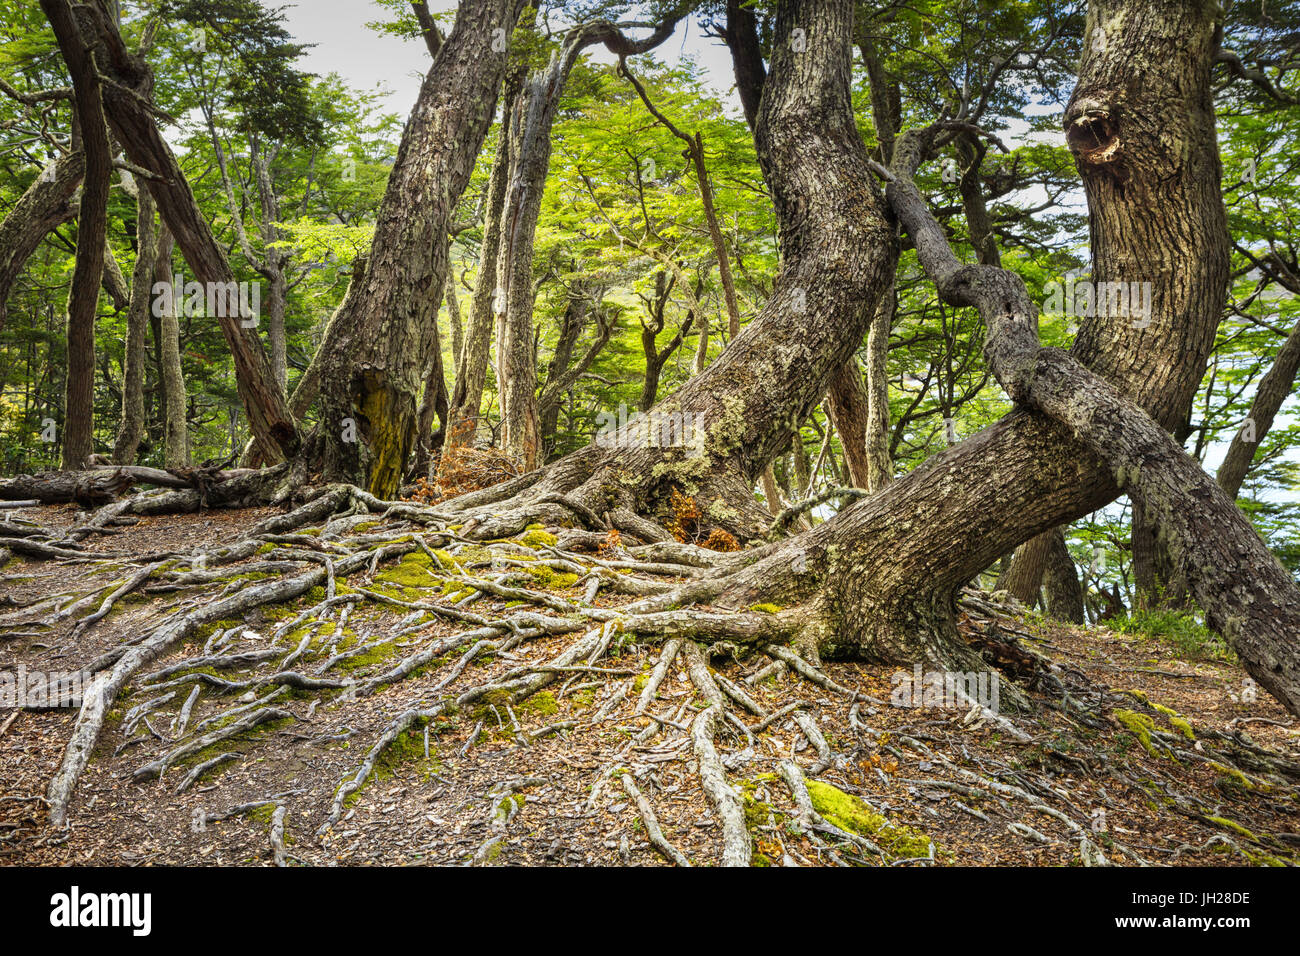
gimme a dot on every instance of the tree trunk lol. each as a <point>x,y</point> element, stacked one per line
<point>376,348</point>
<point>92,225</point>
<point>1061,583</point>
<point>176,437</point>
<point>47,203</point>
<point>131,428</point>
<point>849,407</point>
<point>126,101</point>
<point>1274,389</point>
<point>838,254</point>
<point>472,362</point>
<point>532,120</point>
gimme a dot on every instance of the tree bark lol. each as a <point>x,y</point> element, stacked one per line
<point>83,299</point>
<point>849,407</point>
<point>377,346</point>
<point>131,428</point>
<point>126,101</point>
<point>176,437</point>
<point>46,204</point>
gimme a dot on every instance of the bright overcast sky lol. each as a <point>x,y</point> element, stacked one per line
<point>365,58</point>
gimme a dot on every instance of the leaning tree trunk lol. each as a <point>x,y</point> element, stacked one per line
<point>1274,389</point>
<point>47,203</point>
<point>376,347</point>
<point>838,253</point>
<point>131,428</point>
<point>126,101</point>
<point>92,225</point>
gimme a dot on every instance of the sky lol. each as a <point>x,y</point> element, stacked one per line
<point>366,58</point>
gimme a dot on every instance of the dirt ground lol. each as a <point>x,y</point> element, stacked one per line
<point>1140,780</point>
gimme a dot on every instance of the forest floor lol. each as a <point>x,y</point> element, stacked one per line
<point>1160,761</point>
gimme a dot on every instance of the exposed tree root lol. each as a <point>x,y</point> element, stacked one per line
<point>386,601</point>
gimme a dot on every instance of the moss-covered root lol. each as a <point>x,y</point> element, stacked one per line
<point>853,819</point>
<point>396,727</point>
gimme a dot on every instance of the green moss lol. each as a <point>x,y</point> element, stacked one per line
<point>766,608</point>
<point>1237,828</point>
<point>854,816</point>
<point>1140,726</point>
<point>542,704</point>
<point>413,571</point>
<point>1232,775</point>
<point>266,549</point>
<point>535,537</point>
<point>550,578</point>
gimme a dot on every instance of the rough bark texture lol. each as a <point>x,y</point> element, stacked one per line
<point>176,436</point>
<point>376,348</point>
<point>837,256</point>
<point>1042,569</point>
<point>83,299</point>
<point>47,203</point>
<point>126,101</point>
<point>849,407</point>
<point>131,428</point>
<point>1064,594</point>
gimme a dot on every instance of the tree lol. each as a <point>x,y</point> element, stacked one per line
<point>83,299</point>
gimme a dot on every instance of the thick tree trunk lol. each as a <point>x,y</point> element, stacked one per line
<point>433,402</point>
<point>838,254</point>
<point>1023,579</point>
<point>131,428</point>
<point>83,299</point>
<point>377,346</point>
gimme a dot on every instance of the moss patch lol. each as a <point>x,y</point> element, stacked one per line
<point>854,816</point>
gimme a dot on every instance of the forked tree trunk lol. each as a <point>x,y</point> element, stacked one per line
<point>376,347</point>
<point>532,120</point>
